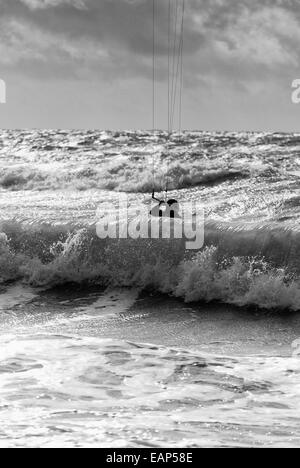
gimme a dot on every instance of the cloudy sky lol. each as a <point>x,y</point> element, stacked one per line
<point>87,64</point>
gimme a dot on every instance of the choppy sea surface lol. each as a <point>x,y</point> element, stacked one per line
<point>140,343</point>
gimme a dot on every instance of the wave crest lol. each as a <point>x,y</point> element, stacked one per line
<point>206,276</point>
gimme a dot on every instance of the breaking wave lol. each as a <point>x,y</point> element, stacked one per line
<point>125,177</point>
<point>55,160</point>
<point>46,256</point>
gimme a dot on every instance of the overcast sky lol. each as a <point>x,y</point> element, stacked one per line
<point>87,64</point>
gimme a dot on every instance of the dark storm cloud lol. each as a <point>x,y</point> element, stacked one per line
<point>240,40</point>
<point>120,23</point>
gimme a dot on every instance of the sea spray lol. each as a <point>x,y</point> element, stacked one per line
<point>160,265</point>
<point>56,160</point>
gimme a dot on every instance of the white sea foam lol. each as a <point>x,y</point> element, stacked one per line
<point>211,274</point>
<point>125,161</point>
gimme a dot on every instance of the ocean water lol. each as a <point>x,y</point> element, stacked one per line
<point>140,343</point>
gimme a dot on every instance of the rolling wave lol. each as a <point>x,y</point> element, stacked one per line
<point>117,177</point>
<point>134,161</point>
<point>237,266</point>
